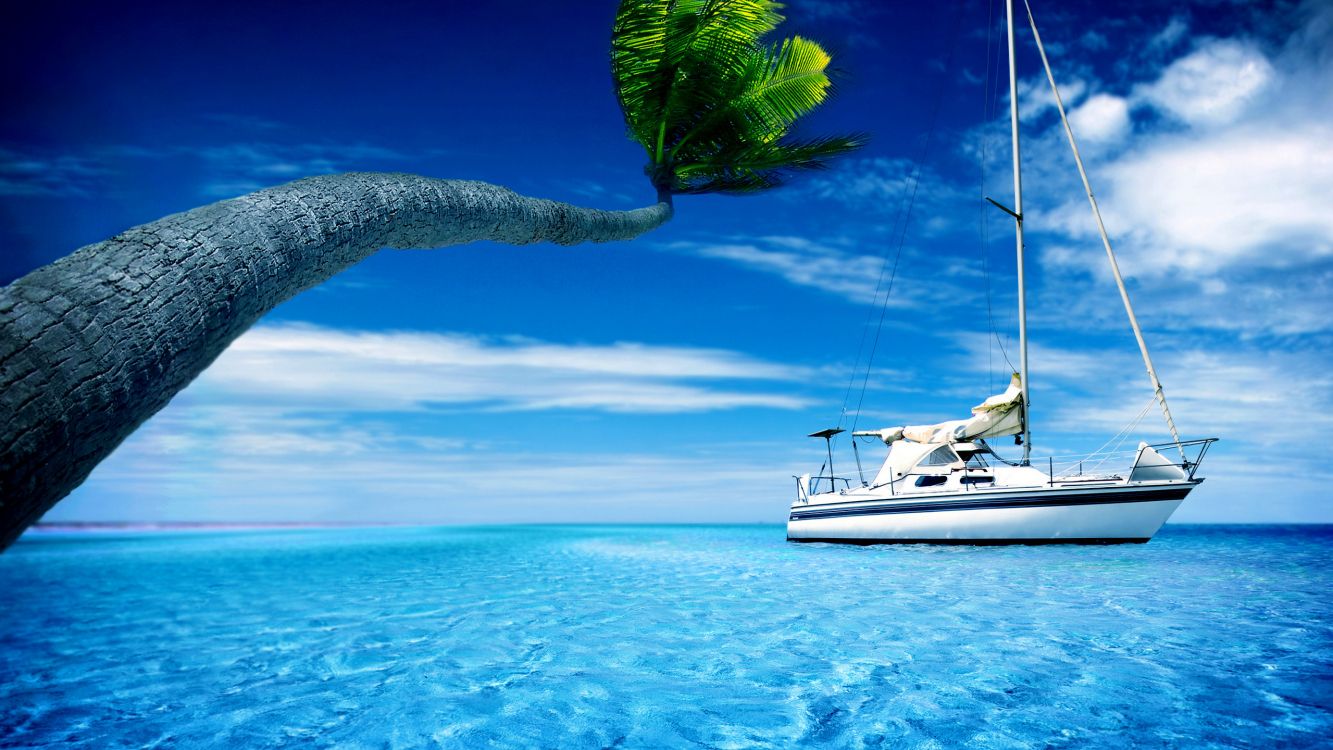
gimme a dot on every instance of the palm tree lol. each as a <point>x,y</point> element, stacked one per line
<point>97,342</point>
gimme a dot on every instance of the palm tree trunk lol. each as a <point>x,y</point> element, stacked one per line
<point>94,344</point>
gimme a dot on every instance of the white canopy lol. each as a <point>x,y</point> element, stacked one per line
<point>998,415</point>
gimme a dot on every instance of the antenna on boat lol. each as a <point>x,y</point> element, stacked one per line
<point>828,443</point>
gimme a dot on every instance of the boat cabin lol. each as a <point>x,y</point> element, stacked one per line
<point>915,466</point>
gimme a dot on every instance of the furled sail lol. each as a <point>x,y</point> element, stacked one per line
<point>997,416</point>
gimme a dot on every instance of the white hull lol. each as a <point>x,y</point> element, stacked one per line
<point>1085,515</point>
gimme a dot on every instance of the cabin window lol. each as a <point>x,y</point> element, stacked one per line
<point>941,456</point>
<point>929,481</point>
<point>978,480</point>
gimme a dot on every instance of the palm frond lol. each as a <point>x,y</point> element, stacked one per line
<point>793,81</point>
<point>670,57</point>
<point>761,166</point>
<point>697,86</point>
<point>783,84</point>
<point>638,65</point>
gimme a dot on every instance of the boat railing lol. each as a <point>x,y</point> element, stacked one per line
<point>832,482</point>
<point>809,485</point>
<point>1117,465</point>
<point>1189,465</point>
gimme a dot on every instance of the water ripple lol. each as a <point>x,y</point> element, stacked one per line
<point>727,637</point>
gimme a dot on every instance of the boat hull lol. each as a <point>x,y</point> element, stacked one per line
<point>1111,515</point>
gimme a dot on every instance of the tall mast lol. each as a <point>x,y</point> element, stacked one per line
<point>1018,235</point>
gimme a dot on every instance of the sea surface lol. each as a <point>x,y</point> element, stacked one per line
<point>663,636</point>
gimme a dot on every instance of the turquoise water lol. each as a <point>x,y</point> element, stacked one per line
<point>573,637</point>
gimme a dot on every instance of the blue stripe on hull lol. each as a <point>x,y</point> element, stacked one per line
<point>1057,501</point>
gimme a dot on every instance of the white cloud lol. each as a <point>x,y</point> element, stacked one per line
<point>1272,400</point>
<point>595,191</point>
<point>1240,301</point>
<point>1035,98</point>
<point>1218,221</point>
<point>302,366</point>
<point>1247,394</point>
<point>46,174</point>
<point>849,276</point>
<point>297,422</point>
<point>1170,34</point>
<point>882,188</point>
<point>1248,195</point>
<point>878,181</point>
<point>1103,117</point>
<point>1094,40</point>
<point>1213,84</point>
<point>417,482</point>
<point>231,169</point>
<point>919,282</point>
<point>1233,187</point>
<point>229,188</point>
<point>239,168</point>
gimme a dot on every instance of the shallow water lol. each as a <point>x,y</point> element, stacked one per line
<point>651,636</point>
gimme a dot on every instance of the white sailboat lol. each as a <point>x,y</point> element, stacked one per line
<point>943,483</point>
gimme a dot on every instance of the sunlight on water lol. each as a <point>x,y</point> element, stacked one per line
<point>570,637</point>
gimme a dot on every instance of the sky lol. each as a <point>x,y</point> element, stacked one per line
<point>674,378</point>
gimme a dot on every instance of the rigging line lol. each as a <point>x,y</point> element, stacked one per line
<point>989,102</point>
<point>993,103</point>
<point>990,99</point>
<point>906,217</point>
<point>1129,427</point>
<point>901,216</point>
<point>1134,426</point>
<point>981,215</point>
<point>1119,437</point>
<point>865,326</point>
<point>1008,317</point>
<point>900,220</point>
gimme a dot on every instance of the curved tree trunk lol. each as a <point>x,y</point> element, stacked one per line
<point>95,343</point>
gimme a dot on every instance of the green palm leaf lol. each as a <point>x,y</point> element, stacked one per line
<point>781,86</point>
<point>698,87</point>
<point>760,166</point>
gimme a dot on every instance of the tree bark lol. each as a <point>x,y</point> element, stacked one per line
<point>95,343</point>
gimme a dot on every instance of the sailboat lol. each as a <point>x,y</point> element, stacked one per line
<point>943,483</point>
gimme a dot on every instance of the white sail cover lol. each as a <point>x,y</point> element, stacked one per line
<point>996,416</point>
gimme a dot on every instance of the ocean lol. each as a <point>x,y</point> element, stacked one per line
<point>663,636</point>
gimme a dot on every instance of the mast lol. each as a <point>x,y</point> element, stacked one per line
<point>1101,228</point>
<point>1018,237</point>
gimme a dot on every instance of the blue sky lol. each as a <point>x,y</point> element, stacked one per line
<point>673,378</point>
